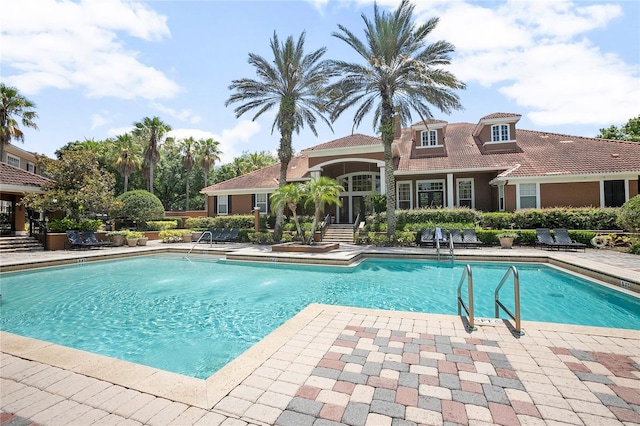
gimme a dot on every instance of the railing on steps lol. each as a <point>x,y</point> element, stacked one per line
<point>451,251</point>
<point>516,295</point>
<point>468,309</point>
<point>325,224</point>
<point>198,241</point>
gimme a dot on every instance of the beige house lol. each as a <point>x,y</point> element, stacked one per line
<point>18,176</point>
<point>490,166</point>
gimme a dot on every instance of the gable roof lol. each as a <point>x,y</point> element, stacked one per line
<point>13,178</point>
<point>351,141</point>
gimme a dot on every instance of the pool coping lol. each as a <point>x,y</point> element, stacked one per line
<point>206,393</point>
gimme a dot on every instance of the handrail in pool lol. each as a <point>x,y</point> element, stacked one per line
<point>469,310</point>
<point>516,295</point>
<point>196,243</point>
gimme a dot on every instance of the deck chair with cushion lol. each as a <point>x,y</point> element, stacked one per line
<point>563,239</point>
<point>426,237</point>
<point>90,237</point>
<point>232,235</point>
<point>544,239</point>
<point>221,237</point>
<point>211,236</point>
<point>470,238</point>
<point>440,234</point>
<point>74,240</point>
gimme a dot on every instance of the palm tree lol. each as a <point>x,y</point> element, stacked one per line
<point>126,156</point>
<point>401,72</point>
<point>294,83</point>
<point>209,152</point>
<point>187,147</point>
<point>153,130</point>
<point>321,191</point>
<point>14,109</point>
<point>289,196</point>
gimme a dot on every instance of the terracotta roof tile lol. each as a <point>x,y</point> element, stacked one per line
<point>427,122</point>
<point>500,115</point>
<point>10,175</point>
<point>356,139</point>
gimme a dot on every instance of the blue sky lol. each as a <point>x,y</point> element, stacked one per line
<point>95,67</point>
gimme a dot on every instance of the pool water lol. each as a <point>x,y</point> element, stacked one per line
<point>193,317</point>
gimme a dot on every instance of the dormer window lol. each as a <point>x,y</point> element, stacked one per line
<point>500,132</point>
<point>429,138</point>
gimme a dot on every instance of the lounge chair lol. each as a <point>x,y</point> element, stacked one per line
<point>221,237</point>
<point>562,238</point>
<point>74,240</point>
<point>441,235</point>
<point>470,238</point>
<point>90,237</point>
<point>426,237</point>
<point>232,235</point>
<point>456,237</point>
<point>211,236</point>
<point>544,239</point>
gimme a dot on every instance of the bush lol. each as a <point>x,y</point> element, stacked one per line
<point>629,215</point>
<point>260,237</point>
<point>161,225</point>
<point>62,225</point>
<point>172,235</point>
<point>634,248</point>
<point>140,206</point>
<point>231,221</point>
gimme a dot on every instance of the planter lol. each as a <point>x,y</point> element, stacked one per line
<point>186,238</point>
<point>132,242</point>
<point>143,241</point>
<point>195,235</point>
<point>118,240</point>
<point>506,242</point>
<point>303,248</point>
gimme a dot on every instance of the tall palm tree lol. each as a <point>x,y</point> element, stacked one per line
<point>292,82</point>
<point>289,196</point>
<point>321,191</point>
<point>126,156</point>
<point>153,130</point>
<point>209,152</point>
<point>187,147</point>
<point>15,109</point>
<point>400,72</point>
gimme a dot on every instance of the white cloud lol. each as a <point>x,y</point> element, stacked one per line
<point>99,120</point>
<point>183,115</point>
<point>229,138</point>
<point>116,131</point>
<point>63,44</point>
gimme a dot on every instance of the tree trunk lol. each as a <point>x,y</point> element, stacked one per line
<point>151,178</point>
<point>126,182</point>
<point>187,204</point>
<point>387,127</point>
<point>286,125</point>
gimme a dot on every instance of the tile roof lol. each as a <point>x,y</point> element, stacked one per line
<point>350,141</point>
<point>500,115</point>
<point>10,175</point>
<point>427,122</point>
<point>539,154</point>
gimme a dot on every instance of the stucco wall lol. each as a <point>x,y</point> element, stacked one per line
<point>578,194</point>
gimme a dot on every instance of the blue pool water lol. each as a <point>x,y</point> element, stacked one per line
<point>193,317</point>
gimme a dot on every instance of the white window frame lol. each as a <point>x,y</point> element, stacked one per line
<point>263,204</point>
<point>432,181</point>
<point>502,134</point>
<point>404,182</point>
<point>431,138</point>
<point>220,204</point>
<point>519,194</point>
<point>473,193</point>
<point>501,198</point>
<point>31,167</point>
<point>14,159</point>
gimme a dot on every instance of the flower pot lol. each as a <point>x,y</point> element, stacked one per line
<point>132,242</point>
<point>506,242</point>
<point>186,238</point>
<point>118,240</point>
<point>142,241</point>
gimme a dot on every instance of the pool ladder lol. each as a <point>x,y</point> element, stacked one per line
<point>468,307</point>
<point>451,254</point>
<point>186,257</point>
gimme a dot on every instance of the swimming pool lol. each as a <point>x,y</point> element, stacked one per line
<point>193,317</point>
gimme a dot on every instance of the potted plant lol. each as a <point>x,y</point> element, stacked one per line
<point>187,235</point>
<point>506,238</point>
<point>133,237</point>
<point>142,241</point>
<point>117,237</point>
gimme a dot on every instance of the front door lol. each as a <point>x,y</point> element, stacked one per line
<point>357,207</point>
<point>6,218</point>
<point>343,211</point>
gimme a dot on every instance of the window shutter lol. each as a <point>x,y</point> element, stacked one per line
<point>253,201</point>
<point>229,205</point>
<point>215,205</point>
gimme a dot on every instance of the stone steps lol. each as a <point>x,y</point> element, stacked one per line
<point>19,245</point>
<point>339,233</point>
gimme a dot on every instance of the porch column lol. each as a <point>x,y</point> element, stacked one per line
<point>383,183</point>
<point>450,189</point>
<point>315,174</point>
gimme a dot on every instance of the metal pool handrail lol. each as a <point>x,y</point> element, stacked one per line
<point>516,295</point>
<point>469,310</point>
<point>196,243</point>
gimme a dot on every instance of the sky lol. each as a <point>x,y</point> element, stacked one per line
<point>95,67</point>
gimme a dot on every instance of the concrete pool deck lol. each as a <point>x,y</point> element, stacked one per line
<point>332,365</point>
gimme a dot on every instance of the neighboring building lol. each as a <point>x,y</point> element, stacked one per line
<point>18,176</point>
<point>489,166</point>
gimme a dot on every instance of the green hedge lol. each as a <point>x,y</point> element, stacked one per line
<point>62,225</point>
<point>231,221</point>
<point>161,225</point>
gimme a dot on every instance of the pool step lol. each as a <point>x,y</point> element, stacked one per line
<point>339,233</point>
<point>19,244</point>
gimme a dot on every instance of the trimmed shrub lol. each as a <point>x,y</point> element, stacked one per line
<point>161,225</point>
<point>62,225</point>
<point>231,221</point>
<point>140,206</point>
<point>260,237</point>
<point>172,235</point>
<point>496,220</point>
<point>629,215</point>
